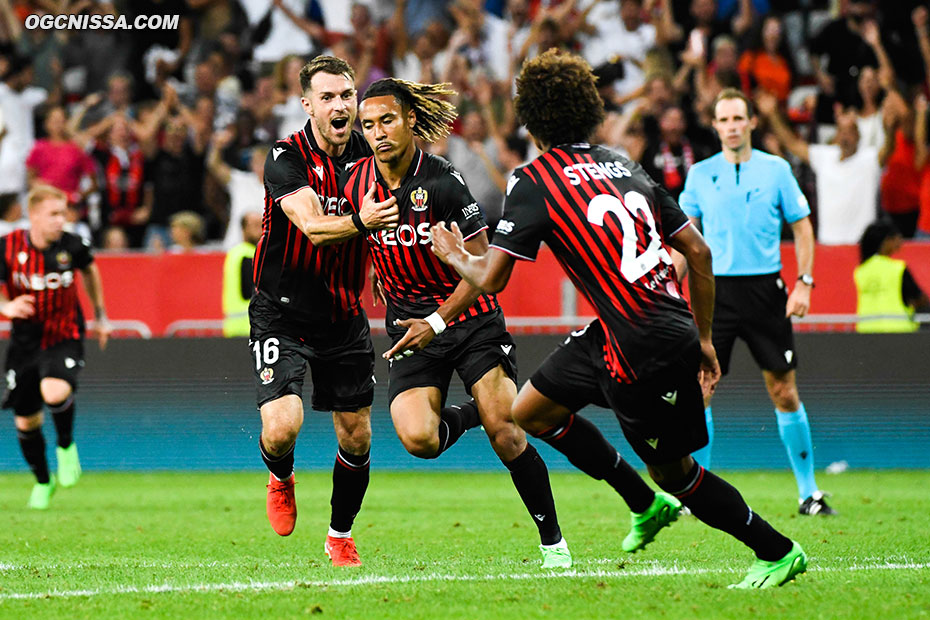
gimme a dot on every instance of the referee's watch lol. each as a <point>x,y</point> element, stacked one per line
<point>807,279</point>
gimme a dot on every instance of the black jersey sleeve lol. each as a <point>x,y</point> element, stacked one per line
<point>457,204</point>
<point>672,218</point>
<point>670,213</point>
<point>285,171</point>
<point>525,222</point>
<point>81,252</point>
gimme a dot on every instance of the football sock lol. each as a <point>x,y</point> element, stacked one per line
<point>588,450</point>
<point>718,504</point>
<point>795,432</point>
<point>454,421</point>
<point>282,467</point>
<point>32,444</point>
<point>350,481</point>
<point>63,416</point>
<point>702,456</point>
<point>531,478</point>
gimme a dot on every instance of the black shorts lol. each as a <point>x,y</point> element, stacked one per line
<point>27,366</point>
<point>753,308</point>
<point>662,415</point>
<point>471,348</point>
<point>340,355</point>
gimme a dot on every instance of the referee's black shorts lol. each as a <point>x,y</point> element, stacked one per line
<point>753,308</point>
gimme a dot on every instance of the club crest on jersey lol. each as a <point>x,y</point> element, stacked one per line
<point>418,197</point>
<point>267,376</point>
<point>22,257</point>
<point>63,258</point>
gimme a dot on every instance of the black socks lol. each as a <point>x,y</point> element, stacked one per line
<point>588,450</point>
<point>32,444</point>
<point>350,481</point>
<point>531,478</point>
<point>718,504</point>
<point>281,466</point>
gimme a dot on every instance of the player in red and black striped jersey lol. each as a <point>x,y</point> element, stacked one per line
<point>610,227</point>
<point>309,270</point>
<point>438,323</point>
<point>46,350</point>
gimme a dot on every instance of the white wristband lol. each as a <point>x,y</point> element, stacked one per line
<point>435,321</point>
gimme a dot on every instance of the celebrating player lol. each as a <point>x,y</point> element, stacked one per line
<point>608,224</point>
<point>437,322</point>
<point>46,350</point>
<point>306,309</point>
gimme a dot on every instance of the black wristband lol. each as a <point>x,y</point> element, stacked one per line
<point>357,220</point>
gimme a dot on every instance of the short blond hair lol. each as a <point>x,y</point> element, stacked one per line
<point>42,192</point>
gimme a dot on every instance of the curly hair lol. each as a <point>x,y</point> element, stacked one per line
<point>434,115</point>
<point>557,98</point>
<point>324,64</point>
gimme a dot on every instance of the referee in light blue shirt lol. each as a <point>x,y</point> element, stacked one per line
<point>739,198</point>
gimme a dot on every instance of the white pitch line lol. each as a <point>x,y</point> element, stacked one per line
<point>238,586</point>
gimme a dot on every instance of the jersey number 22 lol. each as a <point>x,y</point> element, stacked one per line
<point>633,266</point>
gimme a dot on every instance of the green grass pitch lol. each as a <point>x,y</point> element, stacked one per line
<point>445,545</point>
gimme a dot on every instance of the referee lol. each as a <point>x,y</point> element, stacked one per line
<point>738,198</point>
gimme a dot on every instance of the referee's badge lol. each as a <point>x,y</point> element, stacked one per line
<point>418,198</point>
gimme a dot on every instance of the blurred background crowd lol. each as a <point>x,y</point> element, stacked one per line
<point>159,136</point>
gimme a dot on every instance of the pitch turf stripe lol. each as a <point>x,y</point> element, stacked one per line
<point>239,586</point>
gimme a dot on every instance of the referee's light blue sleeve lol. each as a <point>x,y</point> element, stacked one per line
<point>689,200</point>
<point>793,202</point>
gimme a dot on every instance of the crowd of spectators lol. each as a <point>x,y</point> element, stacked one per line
<point>159,136</point>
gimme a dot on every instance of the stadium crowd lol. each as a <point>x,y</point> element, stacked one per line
<point>158,136</point>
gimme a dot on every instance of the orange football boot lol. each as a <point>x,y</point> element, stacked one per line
<point>342,551</point>
<point>281,505</point>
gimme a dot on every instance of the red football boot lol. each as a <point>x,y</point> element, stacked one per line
<point>281,505</point>
<point>342,551</point>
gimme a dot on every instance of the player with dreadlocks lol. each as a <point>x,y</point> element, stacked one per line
<point>438,322</point>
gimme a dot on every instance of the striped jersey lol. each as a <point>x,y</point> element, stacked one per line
<point>315,283</point>
<point>48,275</point>
<point>415,281</point>
<point>607,223</point>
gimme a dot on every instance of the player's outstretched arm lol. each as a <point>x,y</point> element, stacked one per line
<point>697,253</point>
<point>303,208</point>
<point>489,273</point>
<point>93,284</point>
<point>420,332</point>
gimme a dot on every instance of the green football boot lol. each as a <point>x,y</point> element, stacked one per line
<point>764,574</point>
<point>41,495</point>
<point>557,555</point>
<point>665,508</point>
<point>69,466</point>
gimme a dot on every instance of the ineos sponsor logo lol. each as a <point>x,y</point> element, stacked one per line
<point>41,282</point>
<point>405,235</point>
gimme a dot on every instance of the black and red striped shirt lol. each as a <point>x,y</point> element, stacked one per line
<point>48,275</point>
<point>607,223</point>
<point>415,281</point>
<point>315,283</point>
